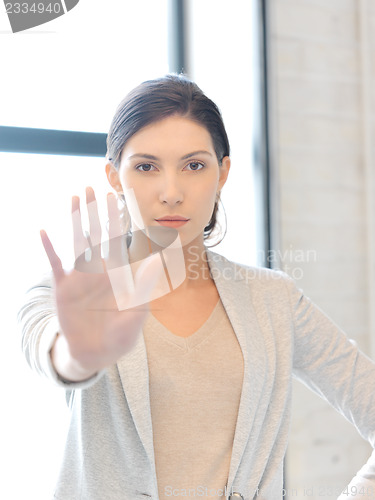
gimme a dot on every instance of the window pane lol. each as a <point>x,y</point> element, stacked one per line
<point>35,193</point>
<point>72,72</point>
<point>221,58</point>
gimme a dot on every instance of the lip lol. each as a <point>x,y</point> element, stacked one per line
<point>172,221</point>
<point>173,218</point>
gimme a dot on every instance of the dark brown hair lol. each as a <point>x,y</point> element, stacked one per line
<point>154,100</point>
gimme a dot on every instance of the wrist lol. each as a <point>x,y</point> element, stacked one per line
<point>67,369</point>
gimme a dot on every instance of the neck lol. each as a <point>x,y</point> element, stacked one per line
<point>196,265</point>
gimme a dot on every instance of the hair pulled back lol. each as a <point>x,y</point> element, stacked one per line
<point>154,100</point>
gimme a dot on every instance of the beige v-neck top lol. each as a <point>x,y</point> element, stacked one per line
<point>195,390</point>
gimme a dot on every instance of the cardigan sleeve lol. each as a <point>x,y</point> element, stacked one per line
<point>332,365</point>
<point>39,325</point>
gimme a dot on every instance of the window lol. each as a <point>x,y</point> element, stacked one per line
<point>70,74</point>
<point>225,57</point>
<point>34,417</point>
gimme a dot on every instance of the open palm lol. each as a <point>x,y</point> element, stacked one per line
<point>96,333</point>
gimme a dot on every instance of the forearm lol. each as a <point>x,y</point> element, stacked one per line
<point>39,327</point>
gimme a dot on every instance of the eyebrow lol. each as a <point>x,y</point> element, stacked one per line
<point>152,157</point>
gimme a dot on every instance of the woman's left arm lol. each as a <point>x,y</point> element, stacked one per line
<point>331,364</point>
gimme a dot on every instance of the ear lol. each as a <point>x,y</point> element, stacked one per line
<point>223,171</point>
<point>113,177</point>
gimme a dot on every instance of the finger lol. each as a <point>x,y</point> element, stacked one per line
<point>114,229</point>
<point>54,260</point>
<point>80,242</point>
<point>134,210</point>
<point>95,236</point>
<point>92,209</point>
<point>117,251</point>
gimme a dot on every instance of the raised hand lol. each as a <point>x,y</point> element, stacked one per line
<point>94,332</point>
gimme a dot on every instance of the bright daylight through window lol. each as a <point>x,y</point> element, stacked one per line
<point>70,74</point>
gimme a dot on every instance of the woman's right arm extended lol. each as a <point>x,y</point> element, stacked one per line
<point>72,324</point>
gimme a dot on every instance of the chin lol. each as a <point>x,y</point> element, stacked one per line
<point>192,240</point>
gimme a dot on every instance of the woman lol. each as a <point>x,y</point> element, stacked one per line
<point>179,384</point>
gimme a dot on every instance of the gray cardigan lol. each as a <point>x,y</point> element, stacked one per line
<point>109,450</point>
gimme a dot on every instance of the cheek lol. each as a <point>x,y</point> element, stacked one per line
<point>206,195</point>
<point>127,180</point>
<point>135,194</point>
<point>135,202</point>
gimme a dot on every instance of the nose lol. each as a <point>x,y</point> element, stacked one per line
<point>171,191</point>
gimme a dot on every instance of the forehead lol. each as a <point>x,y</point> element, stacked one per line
<point>174,133</point>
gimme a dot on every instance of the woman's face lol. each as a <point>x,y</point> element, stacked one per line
<point>170,169</point>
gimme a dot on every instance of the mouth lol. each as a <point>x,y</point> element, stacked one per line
<point>172,221</point>
<point>173,217</point>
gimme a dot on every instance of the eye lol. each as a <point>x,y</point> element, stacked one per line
<point>195,166</point>
<point>145,167</point>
